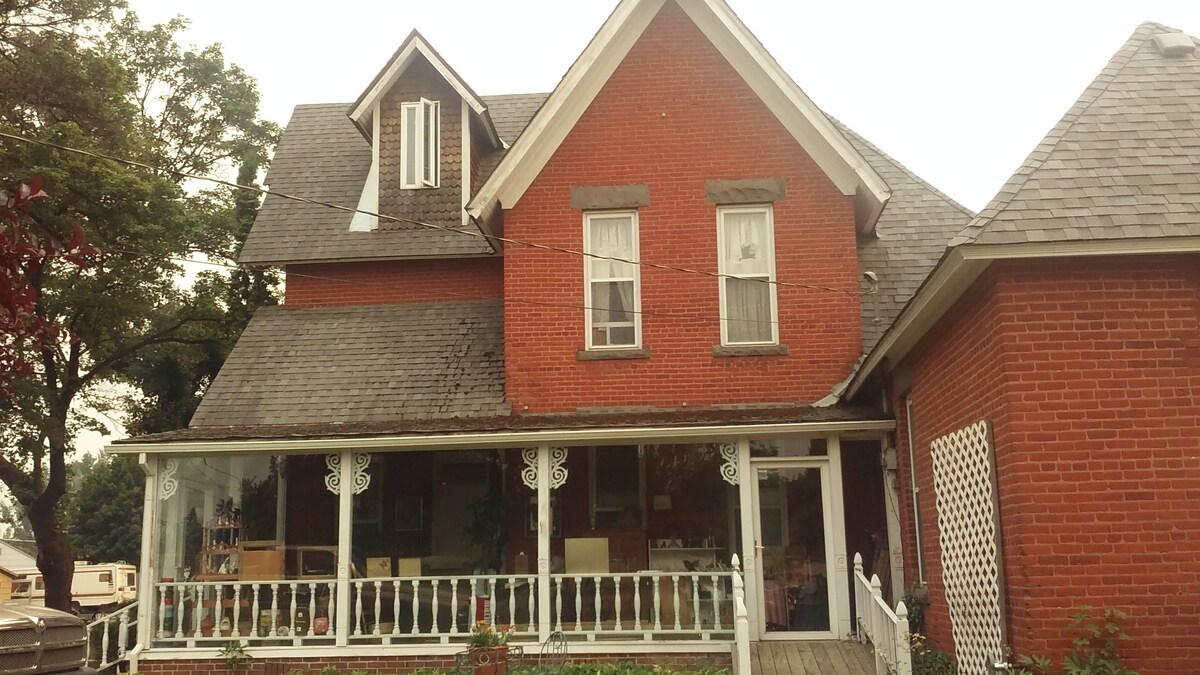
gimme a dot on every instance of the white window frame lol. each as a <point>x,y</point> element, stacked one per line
<point>769,211</point>
<point>588,280</point>
<point>426,174</point>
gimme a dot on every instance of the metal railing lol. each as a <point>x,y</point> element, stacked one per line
<point>887,631</point>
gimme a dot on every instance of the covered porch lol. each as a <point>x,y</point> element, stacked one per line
<point>624,541</point>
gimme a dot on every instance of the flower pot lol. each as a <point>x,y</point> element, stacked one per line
<point>489,660</point>
<point>206,626</point>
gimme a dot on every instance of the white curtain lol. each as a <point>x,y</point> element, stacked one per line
<point>747,253</point>
<point>612,285</point>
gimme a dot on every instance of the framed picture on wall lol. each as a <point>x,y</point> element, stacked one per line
<point>410,513</point>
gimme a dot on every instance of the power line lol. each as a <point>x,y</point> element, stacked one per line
<point>398,219</point>
<point>464,296</point>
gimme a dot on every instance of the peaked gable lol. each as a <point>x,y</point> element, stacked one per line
<point>1121,164</point>
<point>583,81</point>
<point>414,47</point>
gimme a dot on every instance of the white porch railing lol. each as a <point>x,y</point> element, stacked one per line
<point>741,623</point>
<point>650,605</point>
<point>111,637</point>
<point>398,609</point>
<point>887,631</point>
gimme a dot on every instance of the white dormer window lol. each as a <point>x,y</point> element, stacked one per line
<point>421,145</point>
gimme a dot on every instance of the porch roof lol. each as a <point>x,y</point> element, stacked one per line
<point>508,429</point>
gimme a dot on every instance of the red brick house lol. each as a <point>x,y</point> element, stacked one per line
<point>565,355</point>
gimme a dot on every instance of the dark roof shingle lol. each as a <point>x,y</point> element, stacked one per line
<point>1121,163</point>
<point>365,364</point>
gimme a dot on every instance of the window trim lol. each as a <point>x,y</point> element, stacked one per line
<point>421,109</point>
<point>588,280</point>
<point>769,211</point>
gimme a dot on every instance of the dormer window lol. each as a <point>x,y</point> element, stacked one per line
<point>421,144</point>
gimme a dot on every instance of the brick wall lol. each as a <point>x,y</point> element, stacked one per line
<point>1090,372</point>
<point>673,115</point>
<point>402,664</point>
<point>378,283</point>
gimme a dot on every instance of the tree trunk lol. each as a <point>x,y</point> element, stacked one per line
<point>55,557</point>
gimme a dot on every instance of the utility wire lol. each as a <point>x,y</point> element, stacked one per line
<point>408,221</point>
<point>464,296</point>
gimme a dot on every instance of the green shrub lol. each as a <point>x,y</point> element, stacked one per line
<point>1095,646</point>
<point>929,660</point>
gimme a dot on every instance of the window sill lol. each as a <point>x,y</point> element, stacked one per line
<point>611,354</point>
<point>750,350</point>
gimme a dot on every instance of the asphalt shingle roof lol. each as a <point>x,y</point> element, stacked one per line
<point>323,157</point>
<point>911,236</point>
<point>1122,163</point>
<point>365,364</point>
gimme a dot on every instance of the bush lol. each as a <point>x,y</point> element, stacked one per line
<point>1095,646</point>
<point>929,660</point>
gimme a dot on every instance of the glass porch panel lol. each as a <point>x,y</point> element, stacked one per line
<point>792,527</point>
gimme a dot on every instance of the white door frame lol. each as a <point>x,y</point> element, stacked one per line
<point>835,538</point>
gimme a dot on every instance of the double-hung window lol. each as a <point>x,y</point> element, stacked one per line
<point>612,281</point>
<point>746,254</point>
<point>421,144</point>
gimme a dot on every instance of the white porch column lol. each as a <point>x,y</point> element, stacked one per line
<point>150,536</point>
<point>891,505</point>
<point>841,572</point>
<point>345,511</point>
<point>746,479</point>
<point>545,530</point>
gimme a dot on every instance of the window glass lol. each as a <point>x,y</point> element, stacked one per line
<point>429,174</point>
<point>411,144</point>
<point>612,284</point>
<point>617,489</point>
<point>106,577</point>
<point>748,257</point>
<point>38,584</point>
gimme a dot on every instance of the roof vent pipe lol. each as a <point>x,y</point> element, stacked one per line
<point>1174,45</point>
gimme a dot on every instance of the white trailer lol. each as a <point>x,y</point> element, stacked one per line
<point>96,589</point>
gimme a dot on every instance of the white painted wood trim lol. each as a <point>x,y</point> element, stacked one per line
<point>769,211</point>
<point>150,536</point>
<point>545,530</point>
<point>835,531</point>
<point>575,92</point>
<point>466,160</point>
<point>518,439</point>
<point>368,200</point>
<point>748,507</point>
<point>962,265</point>
<point>632,214</point>
<point>803,119</point>
<point>385,651</point>
<point>895,530</point>
<point>400,63</point>
<point>566,104</point>
<point>344,621</point>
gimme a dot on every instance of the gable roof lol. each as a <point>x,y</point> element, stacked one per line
<point>415,45</point>
<point>363,364</point>
<point>848,170</point>
<point>1119,174</point>
<point>1122,163</point>
<point>323,157</point>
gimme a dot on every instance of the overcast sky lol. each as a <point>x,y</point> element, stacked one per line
<point>960,92</point>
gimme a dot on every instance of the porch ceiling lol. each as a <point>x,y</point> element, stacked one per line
<point>502,427</point>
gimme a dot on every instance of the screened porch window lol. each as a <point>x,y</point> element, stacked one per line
<point>612,286</point>
<point>421,144</point>
<point>747,265</point>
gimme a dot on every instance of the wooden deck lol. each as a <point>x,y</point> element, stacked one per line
<point>811,658</point>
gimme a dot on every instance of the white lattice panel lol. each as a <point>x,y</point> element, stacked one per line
<point>966,504</point>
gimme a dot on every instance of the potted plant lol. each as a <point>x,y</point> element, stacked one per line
<point>488,646</point>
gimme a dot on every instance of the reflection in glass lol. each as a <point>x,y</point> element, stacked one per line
<point>795,583</point>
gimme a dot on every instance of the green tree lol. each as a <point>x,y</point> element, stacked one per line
<point>186,111</point>
<point>104,511</point>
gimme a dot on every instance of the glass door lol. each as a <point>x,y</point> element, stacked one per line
<point>793,541</point>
